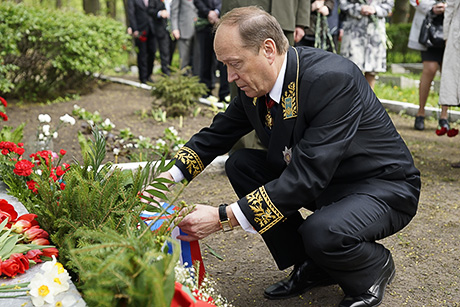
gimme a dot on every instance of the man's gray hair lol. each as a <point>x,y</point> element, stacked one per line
<point>255,26</point>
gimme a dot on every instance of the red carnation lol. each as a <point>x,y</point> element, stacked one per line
<point>62,152</point>
<point>62,186</point>
<point>3,101</point>
<point>20,151</point>
<point>59,171</point>
<point>441,131</point>
<point>23,168</point>
<point>4,116</point>
<point>452,132</point>
<point>32,185</point>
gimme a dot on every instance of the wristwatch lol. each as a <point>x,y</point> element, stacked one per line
<point>225,223</point>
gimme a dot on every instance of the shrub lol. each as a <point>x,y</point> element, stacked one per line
<point>178,92</point>
<point>400,53</point>
<point>47,53</point>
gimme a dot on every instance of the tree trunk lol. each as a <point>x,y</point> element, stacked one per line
<point>401,11</point>
<point>58,4</point>
<point>125,6</point>
<point>92,7</point>
<point>111,8</point>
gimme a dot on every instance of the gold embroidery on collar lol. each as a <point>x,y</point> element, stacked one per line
<point>289,102</point>
<point>191,161</point>
<point>266,215</point>
<point>289,99</point>
<point>254,101</point>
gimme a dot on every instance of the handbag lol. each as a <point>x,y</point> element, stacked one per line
<point>431,32</point>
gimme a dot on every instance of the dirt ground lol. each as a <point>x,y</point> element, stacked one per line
<point>426,252</point>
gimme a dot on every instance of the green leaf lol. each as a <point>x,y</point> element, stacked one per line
<point>8,246</point>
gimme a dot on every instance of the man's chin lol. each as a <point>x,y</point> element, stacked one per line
<point>248,92</point>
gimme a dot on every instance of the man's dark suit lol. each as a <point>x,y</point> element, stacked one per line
<point>334,150</point>
<point>141,19</point>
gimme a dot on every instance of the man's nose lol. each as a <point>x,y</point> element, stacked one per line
<point>231,75</point>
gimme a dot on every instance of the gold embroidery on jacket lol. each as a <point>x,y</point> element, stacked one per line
<point>191,161</point>
<point>266,215</point>
<point>289,102</point>
<point>290,97</point>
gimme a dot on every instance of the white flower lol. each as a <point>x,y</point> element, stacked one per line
<point>44,118</point>
<point>68,119</point>
<point>70,300</point>
<point>42,290</point>
<point>55,134</point>
<point>129,145</point>
<point>90,122</point>
<point>41,136</point>
<point>38,172</point>
<point>46,129</point>
<point>173,130</point>
<point>116,151</point>
<point>160,142</point>
<point>141,138</point>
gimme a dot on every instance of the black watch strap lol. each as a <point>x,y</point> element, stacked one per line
<point>225,223</point>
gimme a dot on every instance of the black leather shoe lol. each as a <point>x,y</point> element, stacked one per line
<point>374,295</point>
<point>419,123</point>
<point>302,278</point>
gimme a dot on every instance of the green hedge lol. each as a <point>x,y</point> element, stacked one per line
<point>400,53</point>
<point>45,54</point>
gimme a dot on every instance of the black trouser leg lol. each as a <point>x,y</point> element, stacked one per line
<point>341,239</point>
<point>247,170</point>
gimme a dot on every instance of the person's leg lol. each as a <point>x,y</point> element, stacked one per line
<point>247,170</point>
<point>151,50</point>
<point>429,71</point>
<point>370,77</point>
<point>206,58</point>
<point>341,239</point>
<point>163,46</point>
<point>142,60</point>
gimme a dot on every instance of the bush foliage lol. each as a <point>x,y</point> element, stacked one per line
<point>400,53</point>
<point>45,54</point>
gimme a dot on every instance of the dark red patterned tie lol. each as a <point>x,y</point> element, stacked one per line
<point>269,102</point>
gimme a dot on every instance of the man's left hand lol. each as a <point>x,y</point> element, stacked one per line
<point>200,223</point>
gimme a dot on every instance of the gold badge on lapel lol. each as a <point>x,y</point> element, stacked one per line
<point>289,103</point>
<point>254,101</point>
<point>287,154</point>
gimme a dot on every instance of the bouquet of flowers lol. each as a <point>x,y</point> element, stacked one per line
<point>22,241</point>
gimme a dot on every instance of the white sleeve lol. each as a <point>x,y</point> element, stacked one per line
<point>244,223</point>
<point>176,173</point>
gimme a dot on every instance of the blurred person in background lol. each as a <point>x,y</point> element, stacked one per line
<point>432,59</point>
<point>364,36</point>
<point>449,93</point>
<point>183,17</point>
<point>208,15</point>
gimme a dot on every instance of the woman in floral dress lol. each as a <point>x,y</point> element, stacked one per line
<point>364,37</point>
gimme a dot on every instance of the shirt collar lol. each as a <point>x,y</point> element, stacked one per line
<point>275,92</point>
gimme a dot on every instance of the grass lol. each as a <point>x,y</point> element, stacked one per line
<point>409,95</point>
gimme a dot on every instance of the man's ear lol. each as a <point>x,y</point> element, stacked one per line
<point>269,50</point>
